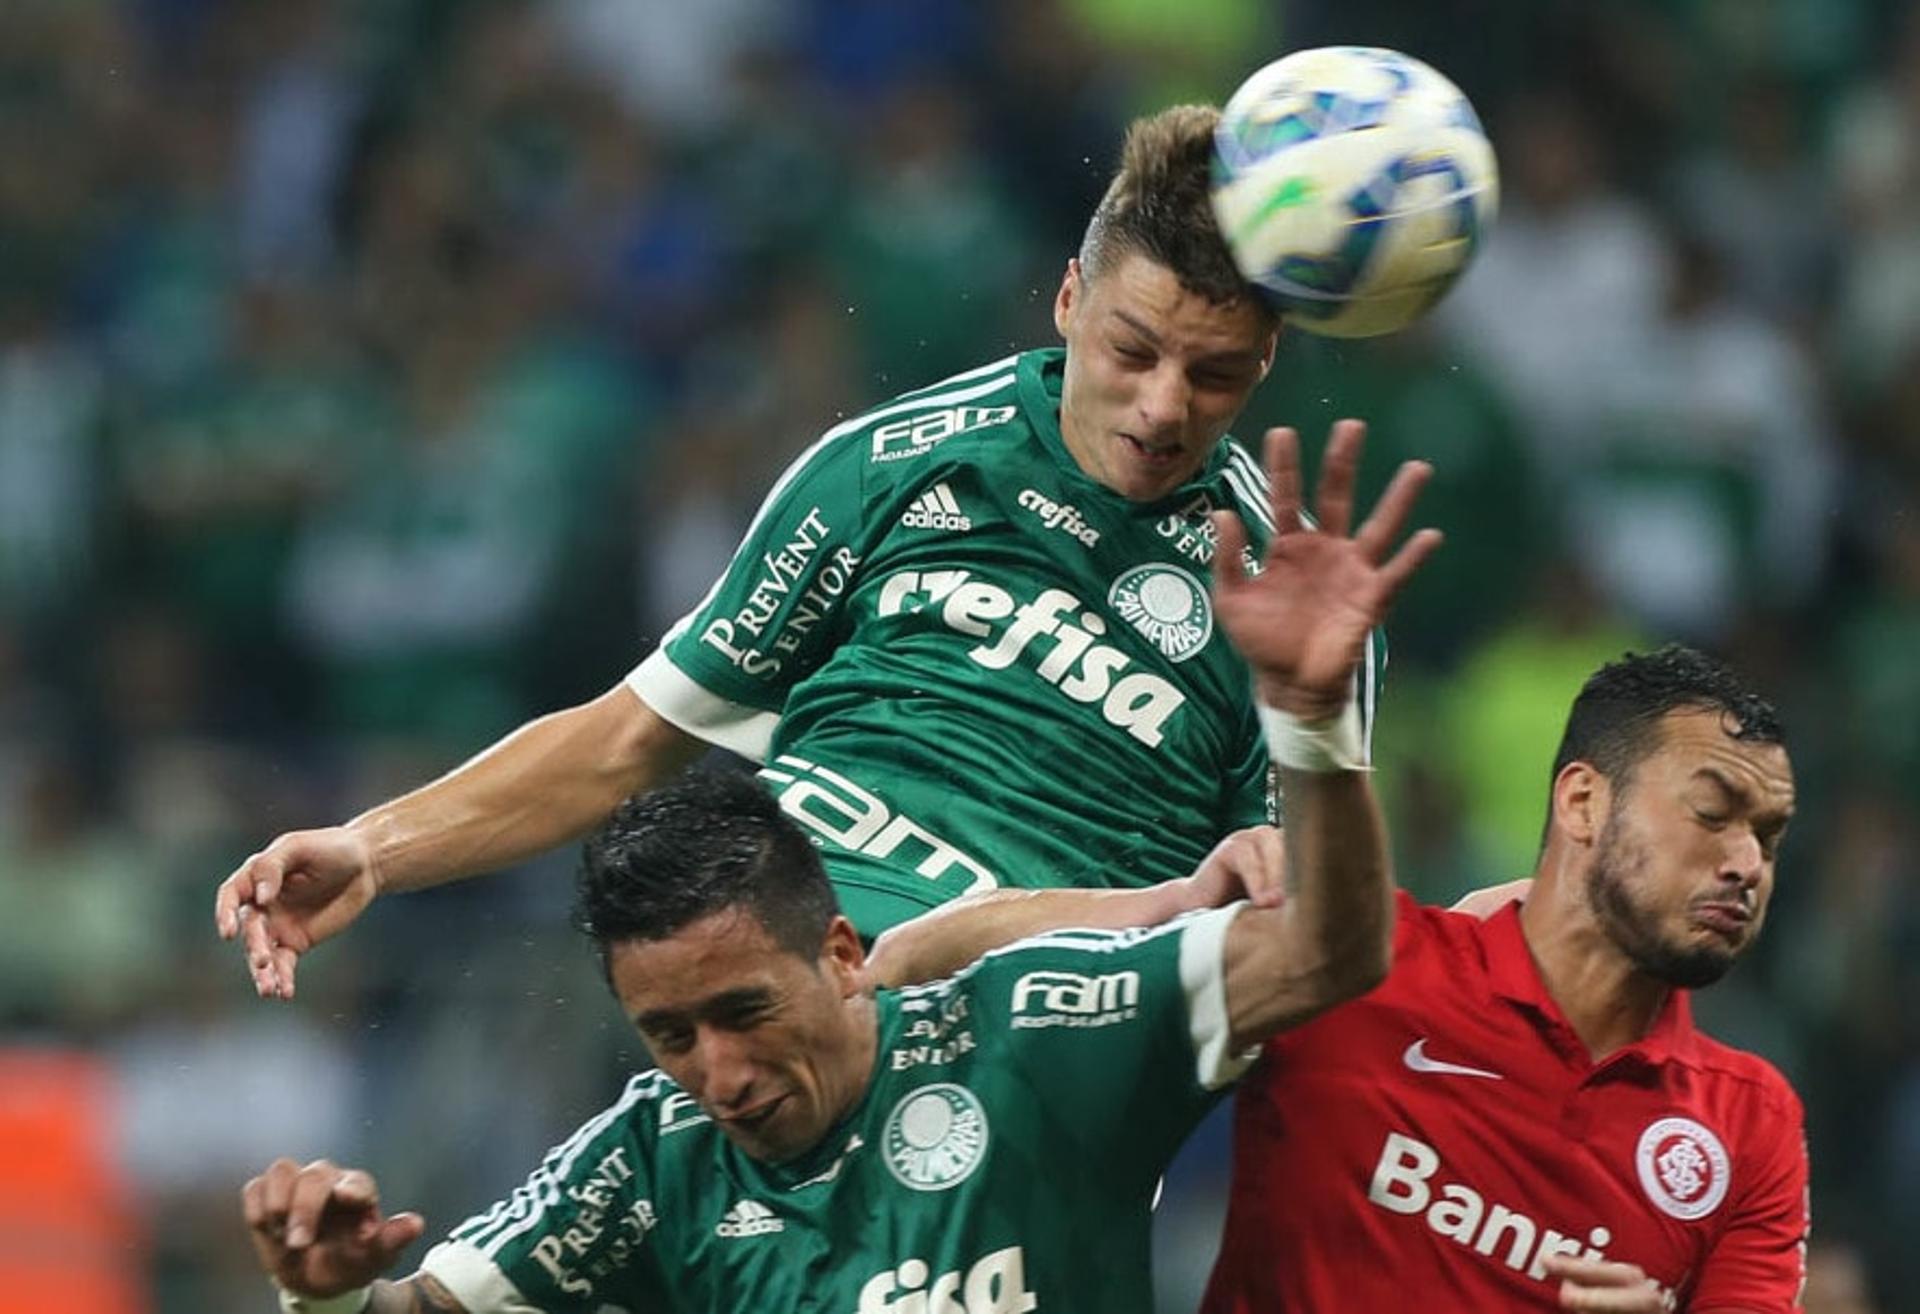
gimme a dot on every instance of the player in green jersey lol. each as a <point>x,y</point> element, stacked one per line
<point>969,634</point>
<point>985,1144</point>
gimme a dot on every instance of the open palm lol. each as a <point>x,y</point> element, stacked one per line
<point>1302,620</point>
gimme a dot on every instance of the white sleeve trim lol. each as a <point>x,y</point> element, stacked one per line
<point>1203,960</point>
<point>691,706</point>
<point>475,1280</point>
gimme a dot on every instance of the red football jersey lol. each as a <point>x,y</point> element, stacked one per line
<point>1426,1146</point>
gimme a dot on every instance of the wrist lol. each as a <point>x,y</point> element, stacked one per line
<point>347,1302</point>
<point>1320,745</point>
<point>366,830</point>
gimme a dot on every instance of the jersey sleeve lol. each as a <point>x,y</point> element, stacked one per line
<point>1254,791</point>
<point>1759,1264</point>
<point>1255,797</point>
<point>574,1237</point>
<point>1127,1029</point>
<point>723,671</point>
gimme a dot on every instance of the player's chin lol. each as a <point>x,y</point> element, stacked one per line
<point>1705,957</point>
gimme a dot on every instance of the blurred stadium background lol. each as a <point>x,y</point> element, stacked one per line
<point>374,373</point>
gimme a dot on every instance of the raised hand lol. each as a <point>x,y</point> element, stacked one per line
<point>304,887</point>
<point>1602,1284</point>
<point>318,1229</point>
<point>1302,621</point>
<point>1249,864</point>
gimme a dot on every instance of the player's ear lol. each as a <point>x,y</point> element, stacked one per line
<point>1067,299</point>
<point>844,958</point>
<point>1582,798</point>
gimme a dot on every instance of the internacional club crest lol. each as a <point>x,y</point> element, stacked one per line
<point>935,1137</point>
<point>1683,1168</point>
<point>1167,606</point>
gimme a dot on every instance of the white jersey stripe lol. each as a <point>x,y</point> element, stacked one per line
<point>523,1209</point>
<point>1255,488</point>
<point>1248,502</point>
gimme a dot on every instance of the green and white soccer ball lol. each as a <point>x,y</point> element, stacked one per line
<point>1354,184</point>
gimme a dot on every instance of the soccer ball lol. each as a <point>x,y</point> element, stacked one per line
<point>1354,185</point>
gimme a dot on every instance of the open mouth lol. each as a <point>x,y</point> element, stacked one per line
<point>1154,454</point>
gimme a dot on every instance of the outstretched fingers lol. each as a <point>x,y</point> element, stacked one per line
<point>1383,528</point>
<point>1283,474</point>
<point>1412,555</point>
<point>1339,471</point>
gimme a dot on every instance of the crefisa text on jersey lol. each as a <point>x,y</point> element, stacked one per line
<point>993,1284</point>
<point>1138,702</point>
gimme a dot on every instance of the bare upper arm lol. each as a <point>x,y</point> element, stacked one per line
<point>643,744</point>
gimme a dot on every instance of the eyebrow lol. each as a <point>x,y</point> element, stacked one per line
<point>727,1001</point>
<point>1252,358</point>
<point>1735,791</point>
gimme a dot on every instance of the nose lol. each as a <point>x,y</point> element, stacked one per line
<point>1164,396</point>
<point>725,1071</point>
<point>1745,861</point>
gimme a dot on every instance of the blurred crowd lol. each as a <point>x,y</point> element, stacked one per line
<point>376,373</point>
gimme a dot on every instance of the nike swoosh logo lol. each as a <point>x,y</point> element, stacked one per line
<point>1416,1058</point>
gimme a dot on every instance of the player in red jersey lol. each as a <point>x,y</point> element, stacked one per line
<point>1524,1116</point>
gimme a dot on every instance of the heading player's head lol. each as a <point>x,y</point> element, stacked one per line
<point>1671,794</point>
<point>724,943</point>
<point>1165,340</point>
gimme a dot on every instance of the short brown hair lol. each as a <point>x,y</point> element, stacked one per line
<point>1157,206</point>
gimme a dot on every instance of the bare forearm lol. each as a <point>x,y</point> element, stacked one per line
<point>941,942</point>
<point>1332,939</point>
<point>548,782</point>
<point>419,1294</point>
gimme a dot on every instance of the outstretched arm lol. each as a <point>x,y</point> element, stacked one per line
<point>1302,623</point>
<point>550,781</point>
<point>1248,864</point>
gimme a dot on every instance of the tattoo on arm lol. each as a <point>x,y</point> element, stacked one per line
<point>419,1294</point>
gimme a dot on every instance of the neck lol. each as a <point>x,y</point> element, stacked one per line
<point>1608,1001</point>
<point>854,1071</point>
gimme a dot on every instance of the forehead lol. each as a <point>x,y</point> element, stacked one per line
<point>1698,744</point>
<point>723,952</point>
<point>1139,291</point>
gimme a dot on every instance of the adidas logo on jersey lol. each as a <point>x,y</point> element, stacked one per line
<point>749,1218</point>
<point>937,509</point>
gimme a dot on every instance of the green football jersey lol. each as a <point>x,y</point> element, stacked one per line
<point>964,663</point>
<point>1003,1159</point>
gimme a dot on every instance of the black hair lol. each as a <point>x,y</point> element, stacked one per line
<point>709,842</point>
<point>1615,720</point>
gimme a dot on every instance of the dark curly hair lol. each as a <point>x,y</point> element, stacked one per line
<point>709,842</point>
<point>1158,206</point>
<point>1615,721</point>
